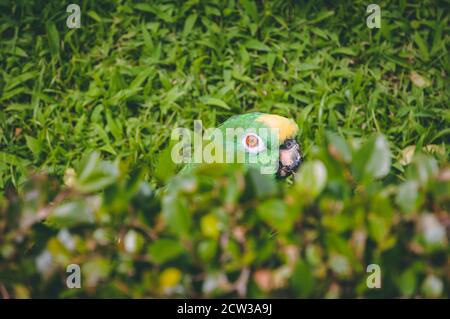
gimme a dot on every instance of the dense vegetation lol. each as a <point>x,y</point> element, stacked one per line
<point>86,116</point>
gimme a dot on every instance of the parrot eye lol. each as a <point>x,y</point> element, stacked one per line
<point>253,143</point>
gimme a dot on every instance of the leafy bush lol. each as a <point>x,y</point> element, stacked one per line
<point>222,231</point>
<point>134,70</point>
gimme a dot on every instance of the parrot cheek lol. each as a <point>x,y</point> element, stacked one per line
<point>289,160</point>
<point>286,158</point>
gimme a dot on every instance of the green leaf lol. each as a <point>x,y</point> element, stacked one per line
<point>256,45</point>
<point>22,78</point>
<point>407,283</point>
<point>114,127</point>
<point>95,270</point>
<point>275,213</point>
<point>95,175</point>
<point>189,24</point>
<point>94,15</point>
<point>437,38</point>
<point>373,159</point>
<point>378,227</point>
<point>214,102</point>
<point>207,249</point>
<point>34,145</point>
<point>145,7</point>
<point>303,280</point>
<point>432,287</point>
<point>311,179</point>
<point>263,184</point>
<point>345,51</point>
<point>407,196</point>
<point>18,51</point>
<point>53,39</point>
<point>338,147</point>
<point>148,42</point>
<point>6,158</point>
<point>423,168</point>
<point>423,48</point>
<point>165,167</point>
<point>250,8</point>
<point>340,265</point>
<point>175,213</point>
<point>163,250</point>
<point>210,226</point>
<point>321,16</point>
<point>71,214</point>
<point>133,241</point>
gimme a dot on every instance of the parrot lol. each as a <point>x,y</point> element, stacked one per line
<point>279,147</point>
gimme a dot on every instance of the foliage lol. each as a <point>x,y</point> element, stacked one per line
<point>368,103</point>
<point>221,231</point>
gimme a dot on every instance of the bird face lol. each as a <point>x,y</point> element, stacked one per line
<point>290,158</point>
<point>279,148</point>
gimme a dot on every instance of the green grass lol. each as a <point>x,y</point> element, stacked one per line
<point>134,71</point>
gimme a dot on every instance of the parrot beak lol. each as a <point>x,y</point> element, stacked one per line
<point>290,158</point>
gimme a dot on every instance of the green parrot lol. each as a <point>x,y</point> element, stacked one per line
<point>258,140</point>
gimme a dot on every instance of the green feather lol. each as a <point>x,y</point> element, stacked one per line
<point>247,122</point>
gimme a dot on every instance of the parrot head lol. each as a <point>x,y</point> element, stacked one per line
<point>265,141</point>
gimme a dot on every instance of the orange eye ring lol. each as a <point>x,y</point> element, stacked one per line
<point>251,141</point>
